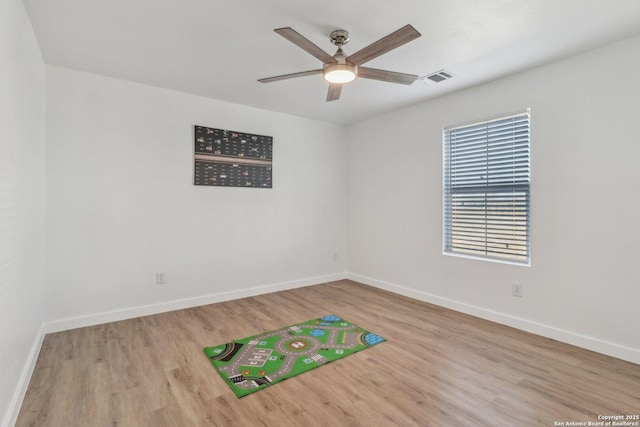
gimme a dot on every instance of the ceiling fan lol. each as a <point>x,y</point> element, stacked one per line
<point>340,69</point>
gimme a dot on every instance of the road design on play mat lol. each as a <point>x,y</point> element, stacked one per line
<point>257,361</point>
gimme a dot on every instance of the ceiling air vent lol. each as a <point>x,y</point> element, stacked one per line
<point>437,77</point>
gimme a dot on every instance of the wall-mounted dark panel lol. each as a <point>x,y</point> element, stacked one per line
<point>232,159</point>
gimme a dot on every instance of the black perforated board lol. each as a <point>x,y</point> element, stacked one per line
<point>232,159</point>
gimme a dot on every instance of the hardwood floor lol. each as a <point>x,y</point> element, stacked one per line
<point>437,368</point>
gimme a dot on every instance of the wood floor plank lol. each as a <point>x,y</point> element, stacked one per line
<point>438,367</point>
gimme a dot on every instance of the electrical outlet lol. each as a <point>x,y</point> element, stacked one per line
<point>335,256</point>
<point>516,290</point>
<point>160,279</point>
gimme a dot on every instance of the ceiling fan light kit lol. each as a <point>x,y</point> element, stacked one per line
<point>340,73</point>
<point>338,69</point>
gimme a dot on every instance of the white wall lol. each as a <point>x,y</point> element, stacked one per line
<point>121,204</point>
<point>21,202</point>
<point>582,286</point>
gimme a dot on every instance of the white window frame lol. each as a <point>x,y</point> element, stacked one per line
<point>514,182</point>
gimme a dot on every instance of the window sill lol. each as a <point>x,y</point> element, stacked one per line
<point>495,260</point>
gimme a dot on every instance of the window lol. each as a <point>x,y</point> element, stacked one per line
<point>486,189</point>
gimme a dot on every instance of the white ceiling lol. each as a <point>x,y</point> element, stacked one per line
<point>219,49</point>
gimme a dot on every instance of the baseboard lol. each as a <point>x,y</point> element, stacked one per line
<point>145,310</point>
<point>11,416</point>
<point>579,340</point>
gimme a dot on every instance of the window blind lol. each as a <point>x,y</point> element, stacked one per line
<point>486,188</point>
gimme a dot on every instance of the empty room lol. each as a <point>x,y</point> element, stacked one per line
<point>297,213</point>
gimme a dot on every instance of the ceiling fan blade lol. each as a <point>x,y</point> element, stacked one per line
<point>290,76</point>
<point>299,40</point>
<point>386,76</point>
<point>384,45</point>
<point>334,92</point>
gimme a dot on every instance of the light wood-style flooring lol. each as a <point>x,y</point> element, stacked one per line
<point>437,368</point>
